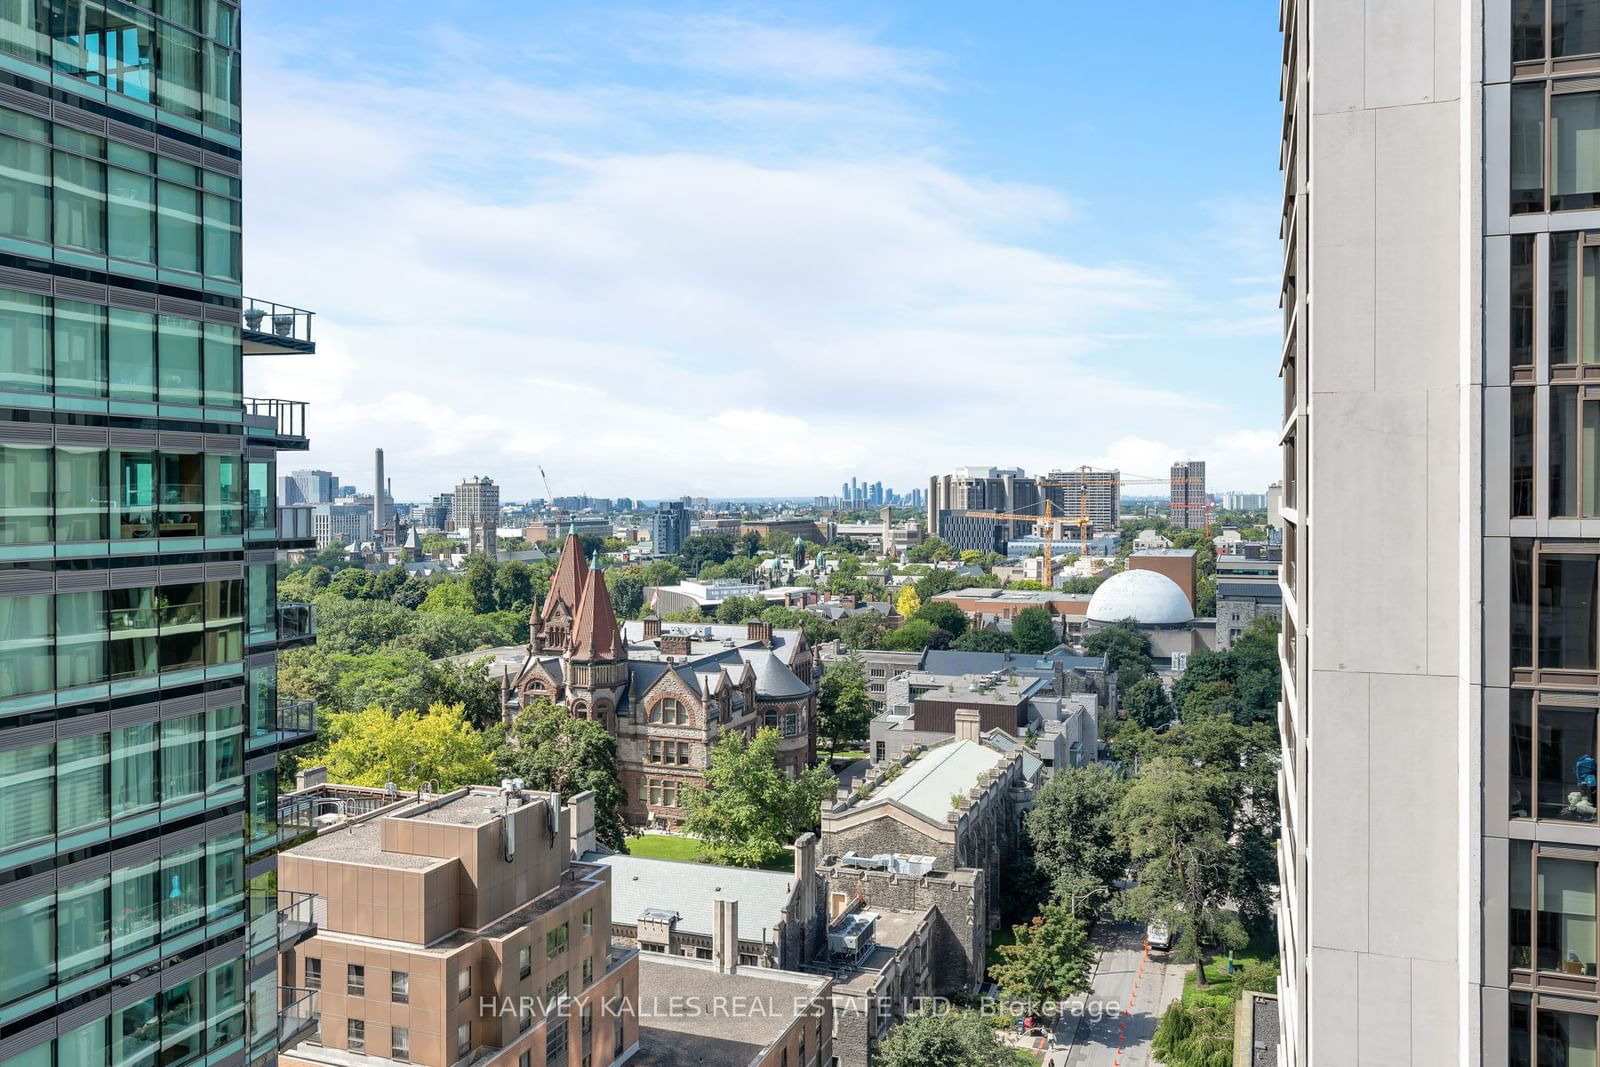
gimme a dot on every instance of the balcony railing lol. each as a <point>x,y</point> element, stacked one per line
<point>297,1014</point>
<point>279,321</point>
<point>296,718</point>
<point>299,917</point>
<point>296,621</point>
<point>282,418</point>
<point>294,522</point>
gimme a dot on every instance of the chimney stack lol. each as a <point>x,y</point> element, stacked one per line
<point>652,626</point>
<point>725,936</point>
<point>378,482</point>
<point>757,630</point>
<point>966,724</point>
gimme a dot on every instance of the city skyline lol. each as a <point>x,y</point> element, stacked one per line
<point>889,201</point>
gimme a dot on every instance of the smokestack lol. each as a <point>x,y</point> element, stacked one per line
<point>378,482</point>
<point>725,935</point>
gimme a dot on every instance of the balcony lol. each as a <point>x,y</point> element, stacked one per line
<point>297,721</point>
<point>276,423</point>
<point>297,623</point>
<point>270,329</point>
<point>295,529</point>
<point>297,1015</point>
<point>299,917</point>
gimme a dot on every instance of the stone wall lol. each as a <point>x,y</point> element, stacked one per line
<point>959,937</point>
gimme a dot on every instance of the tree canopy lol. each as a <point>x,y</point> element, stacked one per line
<point>844,710</point>
<point>1034,631</point>
<point>944,1039</point>
<point>748,811</point>
<point>979,640</point>
<point>374,747</point>
<point>1075,831</point>
<point>1049,960</point>
<point>550,748</point>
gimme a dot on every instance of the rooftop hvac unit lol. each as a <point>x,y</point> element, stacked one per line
<point>912,865</point>
<point>872,863</point>
<point>854,936</point>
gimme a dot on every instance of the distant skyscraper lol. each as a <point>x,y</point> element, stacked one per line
<point>1088,490</point>
<point>1005,489</point>
<point>1186,508</point>
<point>316,487</point>
<point>475,499</point>
<point>669,528</point>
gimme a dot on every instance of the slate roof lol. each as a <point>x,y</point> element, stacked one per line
<point>774,679</point>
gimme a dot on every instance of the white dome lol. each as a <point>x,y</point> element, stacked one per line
<point>1149,598</point>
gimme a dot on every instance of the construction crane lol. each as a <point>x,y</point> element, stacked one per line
<point>1048,523</point>
<point>550,498</point>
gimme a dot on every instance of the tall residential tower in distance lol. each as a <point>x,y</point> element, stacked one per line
<point>140,729</point>
<point>1188,505</point>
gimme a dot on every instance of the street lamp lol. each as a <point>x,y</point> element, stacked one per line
<point>1088,896</point>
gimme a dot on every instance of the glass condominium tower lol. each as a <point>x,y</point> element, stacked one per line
<point>140,727</point>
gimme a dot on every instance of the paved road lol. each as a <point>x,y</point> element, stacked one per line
<point>1118,1020</point>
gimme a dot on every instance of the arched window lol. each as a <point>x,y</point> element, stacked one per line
<point>581,710</point>
<point>769,717</point>
<point>669,710</point>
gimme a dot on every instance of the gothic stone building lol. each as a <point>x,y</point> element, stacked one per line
<point>667,693</point>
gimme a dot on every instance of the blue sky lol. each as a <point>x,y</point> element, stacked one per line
<point>756,249</point>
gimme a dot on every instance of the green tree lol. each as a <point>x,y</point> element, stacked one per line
<point>935,582</point>
<point>375,747</point>
<point>981,640</point>
<point>513,587</point>
<point>748,811</point>
<point>1196,1035</point>
<point>662,572</point>
<point>944,1039</point>
<point>931,550</point>
<point>412,592</point>
<point>438,544</point>
<point>479,581</point>
<point>359,625</point>
<point>1127,651</point>
<point>816,628</point>
<point>737,609</point>
<point>1034,631</point>
<point>864,630</point>
<point>1176,828</point>
<point>1074,830</point>
<point>1146,702</point>
<point>627,593</point>
<point>1049,960</point>
<point>451,594</point>
<point>352,583</point>
<point>914,636</point>
<point>387,582</point>
<point>549,748</point>
<point>945,615</point>
<point>704,548</point>
<point>844,710</point>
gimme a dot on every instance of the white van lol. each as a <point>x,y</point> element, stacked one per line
<point>1158,936</point>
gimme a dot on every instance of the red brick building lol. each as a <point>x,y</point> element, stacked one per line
<point>667,693</point>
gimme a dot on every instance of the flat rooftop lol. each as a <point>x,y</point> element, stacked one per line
<point>691,1016</point>
<point>976,688</point>
<point>690,889</point>
<point>360,842</point>
<point>477,808</point>
<point>1013,596</point>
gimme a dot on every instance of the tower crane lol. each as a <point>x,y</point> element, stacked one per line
<point>1049,522</point>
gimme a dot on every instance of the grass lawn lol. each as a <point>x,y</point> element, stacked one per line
<point>845,755</point>
<point>687,850</point>
<point>1221,984</point>
<point>1003,936</point>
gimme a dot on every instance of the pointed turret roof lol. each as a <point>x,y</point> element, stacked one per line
<point>567,584</point>
<point>595,635</point>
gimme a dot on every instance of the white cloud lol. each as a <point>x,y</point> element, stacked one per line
<point>518,278</point>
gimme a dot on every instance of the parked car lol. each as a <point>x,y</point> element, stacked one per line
<point>1158,936</point>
